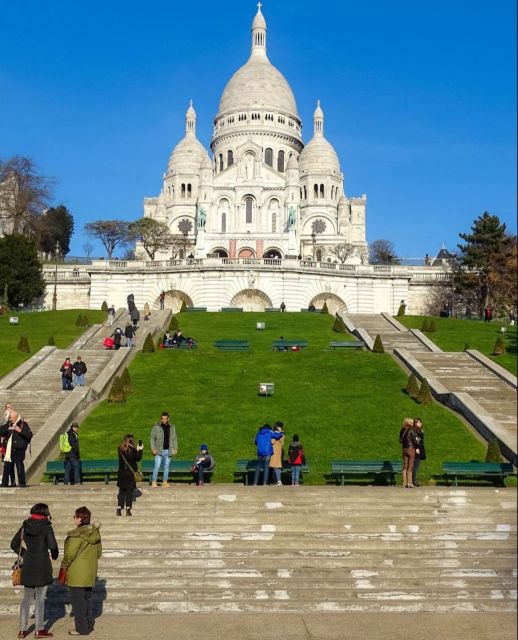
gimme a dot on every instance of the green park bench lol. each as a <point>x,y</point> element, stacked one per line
<point>495,472</point>
<point>306,310</point>
<point>230,309</point>
<point>107,469</point>
<point>182,345</point>
<point>245,470</point>
<point>196,309</point>
<point>272,309</point>
<point>285,345</point>
<point>353,344</point>
<point>341,469</point>
<point>232,345</point>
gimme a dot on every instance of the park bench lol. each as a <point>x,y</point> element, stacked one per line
<point>182,345</point>
<point>353,344</point>
<point>196,309</point>
<point>232,345</point>
<point>245,470</point>
<point>227,309</point>
<point>285,345</point>
<point>495,472</point>
<point>341,469</point>
<point>306,310</point>
<point>272,309</point>
<point>107,469</point>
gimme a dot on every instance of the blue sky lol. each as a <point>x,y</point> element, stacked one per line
<point>419,100</point>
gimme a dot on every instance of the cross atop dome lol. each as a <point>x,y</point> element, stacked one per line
<point>259,33</point>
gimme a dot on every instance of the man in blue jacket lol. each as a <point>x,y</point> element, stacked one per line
<point>263,442</point>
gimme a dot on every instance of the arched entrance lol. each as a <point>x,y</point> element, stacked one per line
<point>246,252</point>
<point>174,300</point>
<point>221,253</point>
<point>334,303</point>
<point>251,300</point>
<point>274,254</point>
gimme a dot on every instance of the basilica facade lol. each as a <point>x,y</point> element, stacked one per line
<point>262,192</point>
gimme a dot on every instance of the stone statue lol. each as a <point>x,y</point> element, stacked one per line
<point>292,217</point>
<point>202,218</point>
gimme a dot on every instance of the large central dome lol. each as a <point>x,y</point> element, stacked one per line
<point>258,84</point>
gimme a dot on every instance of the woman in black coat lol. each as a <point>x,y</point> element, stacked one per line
<point>130,454</point>
<point>36,539</point>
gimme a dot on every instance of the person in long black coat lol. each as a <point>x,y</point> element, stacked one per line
<point>36,539</point>
<point>130,454</point>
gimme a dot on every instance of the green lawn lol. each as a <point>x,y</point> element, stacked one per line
<point>342,404</point>
<point>453,334</point>
<point>38,327</point>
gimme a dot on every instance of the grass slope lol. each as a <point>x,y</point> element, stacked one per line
<point>38,327</point>
<point>453,334</point>
<point>342,405</point>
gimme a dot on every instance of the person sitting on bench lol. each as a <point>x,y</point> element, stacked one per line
<point>177,338</point>
<point>168,339</point>
<point>203,461</point>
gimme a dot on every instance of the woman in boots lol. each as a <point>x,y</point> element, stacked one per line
<point>130,455</point>
<point>409,443</point>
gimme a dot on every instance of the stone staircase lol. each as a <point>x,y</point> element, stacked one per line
<point>254,549</point>
<point>391,337</point>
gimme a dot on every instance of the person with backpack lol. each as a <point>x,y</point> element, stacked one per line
<point>18,436</point>
<point>67,375</point>
<point>69,445</point>
<point>263,442</point>
<point>3,442</point>
<point>203,462</point>
<point>79,369</point>
<point>296,458</point>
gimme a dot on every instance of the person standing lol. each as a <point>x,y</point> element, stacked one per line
<point>130,454</point>
<point>129,332</point>
<point>73,457</point>
<point>67,375</point>
<point>164,444</point>
<point>263,442</point>
<point>3,444</point>
<point>18,435</point>
<point>79,369</point>
<point>147,311</point>
<point>276,459</point>
<point>296,459</point>
<point>81,554</point>
<point>408,441</point>
<point>162,300</point>
<point>117,338</point>
<point>135,317</point>
<point>283,307</point>
<point>34,541</point>
<point>420,452</point>
<point>111,315</point>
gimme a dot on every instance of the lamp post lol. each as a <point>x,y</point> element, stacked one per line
<point>57,249</point>
<point>313,240</point>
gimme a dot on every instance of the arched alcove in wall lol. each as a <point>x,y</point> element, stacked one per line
<point>220,252</point>
<point>334,303</point>
<point>246,252</point>
<point>251,300</point>
<point>174,299</point>
<point>272,253</point>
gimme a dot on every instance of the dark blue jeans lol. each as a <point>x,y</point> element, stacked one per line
<point>263,462</point>
<point>73,466</point>
<point>417,463</point>
<point>67,384</point>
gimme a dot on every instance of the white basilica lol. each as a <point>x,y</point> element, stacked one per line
<point>264,193</point>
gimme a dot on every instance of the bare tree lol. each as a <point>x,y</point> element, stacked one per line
<point>23,192</point>
<point>343,251</point>
<point>178,245</point>
<point>382,252</point>
<point>154,236</point>
<point>111,233</point>
<point>88,248</point>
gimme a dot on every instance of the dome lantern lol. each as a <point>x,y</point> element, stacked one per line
<point>190,120</point>
<point>318,120</point>
<point>259,33</point>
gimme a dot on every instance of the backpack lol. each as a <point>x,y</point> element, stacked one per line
<point>296,455</point>
<point>64,443</point>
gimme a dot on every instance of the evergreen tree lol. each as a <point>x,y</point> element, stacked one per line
<point>183,307</point>
<point>425,326</point>
<point>79,321</point>
<point>487,238</point>
<point>499,348</point>
<point>173,324</point>
<point>126,381</point>
<point>401,310</point>
<point>467,347</point>
<point>378,345</point>
<point>493,451</point>
<point>51,342</point>
<point>86,322</point>
<point>23,345</point>
<point>412,387</point>
<point>431,327</point>
<point>20,271</point>
<point>425,395</point>
<point>149,345</point>
<point>104,306</point>
<point>339,324</point>
<point>324,308</point>
<point>117,391</point>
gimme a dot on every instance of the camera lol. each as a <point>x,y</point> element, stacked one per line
<point>140,443</point>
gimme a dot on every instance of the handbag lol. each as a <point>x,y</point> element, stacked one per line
<point>16,577</point>
<point>138,475</point>
<point>63,571</point>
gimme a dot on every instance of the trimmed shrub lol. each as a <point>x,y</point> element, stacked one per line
<point>401,310</point>
<point>431,327</point>
<point>466,346</point>
<point>425,326</point>
<point>149,345</point>
<point>117,391</point>
<point>126,381</point>
<point>183,307</point>
<point>378,345</point>
<point>499,348</point>
<point>425,395</point>
<point>51,342</point>
<point>339,325</point>
<point>324,308</point>
<point>493,453</point>
<point>23,345</point>
<point>104,306</point>
<point>412,387</point>
<point>173,324</point>
<point>79,321</point>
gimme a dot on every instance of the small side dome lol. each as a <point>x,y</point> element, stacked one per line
<point>206,163</point>
<point>189,153</point>
<point>319,155</point>
<point>292,162</point>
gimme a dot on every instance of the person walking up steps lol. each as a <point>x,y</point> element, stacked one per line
<point>79,369</point>
<point>164,444</point>
<point>72,455</point>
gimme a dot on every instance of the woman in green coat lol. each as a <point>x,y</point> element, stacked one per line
<point>81,554</point>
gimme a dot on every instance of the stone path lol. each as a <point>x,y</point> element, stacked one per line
<point>391,337</point>
<point>225,548</point>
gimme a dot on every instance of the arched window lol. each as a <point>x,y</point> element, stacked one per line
<point>268,157</point>
<point>274,222</point>
<point>305,193</point>
<point>183,190</point>
<point>332,192</point>
<point>189,190</point>
<point>223,222</point>
<point>315,188</point>
<point>230,158</point>
<point>221,162</point>
<point>319,255</point>
<point>280,161</point>
<point>249,207</point>
<point>321,190</point>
